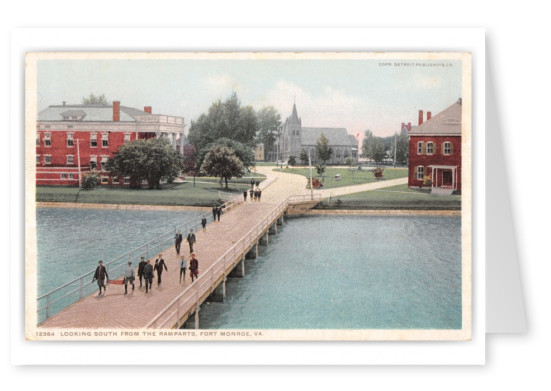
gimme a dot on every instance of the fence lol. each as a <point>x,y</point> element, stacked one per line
<point>191,296</point>
<point>67,294</point>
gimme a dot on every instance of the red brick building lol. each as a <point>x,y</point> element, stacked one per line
<point>74,139</point>
<point>435,151</point>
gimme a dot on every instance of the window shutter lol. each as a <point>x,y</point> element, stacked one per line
<point>435,146</point>
<point>424,148</point>
<point>451,148</point>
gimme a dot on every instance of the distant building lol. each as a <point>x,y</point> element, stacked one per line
<point>294,138</point>
<point>435,151</point>
<point>259,152</point>
<point>99,130</point>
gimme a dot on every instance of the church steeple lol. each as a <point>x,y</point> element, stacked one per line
<point>294,116</point>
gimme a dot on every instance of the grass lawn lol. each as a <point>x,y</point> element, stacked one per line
<point>203,194</point>
<point>348,177</point>
<point>395,197</point>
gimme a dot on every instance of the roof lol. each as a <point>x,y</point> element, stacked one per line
<point>90,112</point>
<point>447,122</point>
<point>336,136</point>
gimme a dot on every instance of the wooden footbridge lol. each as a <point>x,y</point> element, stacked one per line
<point>221,250</point>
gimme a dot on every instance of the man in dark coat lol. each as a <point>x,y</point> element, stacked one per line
<point>203,224</point>
<point>214,213</point>
<point>245,196</point>
<point>191,240</point>
<point>100,275</point>
<point>148,275</point>
<point>193,267</point>
<point>219,212</point>
<point>159,263</point>
<point>178,241</point>
<point>140,269</point>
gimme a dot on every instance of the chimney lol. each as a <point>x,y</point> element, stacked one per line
<point>429,115</point>
<point>409,126</point>
<point>147,109</point>
<point>116,110</point>
<point>420,117</point>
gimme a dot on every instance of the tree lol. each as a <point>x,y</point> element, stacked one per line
<point>304,157</point>
<point>95,100</point>
<point>226,119</point>
<point>401,144</point>
<point>292,161</point>
<point>222,162</point>
<point>323,150</point>
<point>366,144</point>
<point>244,152</point>
<point>269,122</point>
<point>90,180</point>
<point>377,150</point>
<point>153,160</point>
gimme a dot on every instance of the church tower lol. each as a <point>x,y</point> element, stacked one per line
<point>291,140</point>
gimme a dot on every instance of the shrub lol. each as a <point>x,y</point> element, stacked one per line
<point>90,180</point>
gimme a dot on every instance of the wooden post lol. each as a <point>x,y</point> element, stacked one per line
<point>196,317</point>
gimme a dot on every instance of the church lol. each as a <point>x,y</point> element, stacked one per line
<point>294,138</point>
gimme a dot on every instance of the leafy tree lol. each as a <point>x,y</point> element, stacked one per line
<point>226,119</point>
<point>304,157</point>
<point>95,100</point>
<point>269,122</point>
<point>90,180</point>
<point>152,159</point>
<point>377,150</point>
<point>292,161</point>
<point>323,150</point>
<point>349,161</point>
<point>320,168</point>
<point>366,144</point>
<point>222,162</point>
<point>244,152</point>
<point>401,144</point>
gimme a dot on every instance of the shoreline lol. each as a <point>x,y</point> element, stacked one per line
<point>367,212</point>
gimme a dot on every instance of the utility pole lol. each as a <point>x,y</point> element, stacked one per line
<point>310,165</point>
<point>78,163</point>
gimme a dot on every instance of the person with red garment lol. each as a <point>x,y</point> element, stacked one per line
<point>193,267</point>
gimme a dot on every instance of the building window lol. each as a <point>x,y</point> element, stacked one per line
<point>38,139</point>
<point>126,137</point>
<point>104,180</point>
<point>70,142</point>
<point>126,180</point>
<point>63,176</point>
<point>93,140</point>
<point>71,176</point>
<point>93,162</point>
<point>420,172</point>
<point>47,159</point>
<point>420,148</point>
<point>447,148</point>
<point>104,160</point>
<point>115,180</point>
<point>430,148</point>
<point>37,159</point>
<point>104,140</point>
<point>47,140</point>
<point>70,159</point>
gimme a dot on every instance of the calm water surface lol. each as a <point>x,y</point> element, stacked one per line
<point>349,272</point>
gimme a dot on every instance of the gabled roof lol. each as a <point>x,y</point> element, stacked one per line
<point>447,122</point>
<point>91,113</point>
<point>336,136</point>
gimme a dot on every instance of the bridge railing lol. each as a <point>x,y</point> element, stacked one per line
<point>303,198</point>
<point>172,313</point>
<point>82,286</point>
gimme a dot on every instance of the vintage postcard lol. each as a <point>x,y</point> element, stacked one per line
<point>248,196</point>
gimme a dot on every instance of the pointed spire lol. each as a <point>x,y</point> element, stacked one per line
<point>294,115</point>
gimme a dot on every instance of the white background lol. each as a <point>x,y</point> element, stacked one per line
<point>517,47</point>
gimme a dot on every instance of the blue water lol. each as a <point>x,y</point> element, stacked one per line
<point>349,272</point>
<point>72,241</point>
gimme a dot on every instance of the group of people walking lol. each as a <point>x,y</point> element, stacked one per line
<point>254,192</point>
<point>146,273</point>
<point>216,212</point>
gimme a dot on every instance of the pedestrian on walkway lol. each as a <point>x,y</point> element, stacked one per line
<point>251,193</point>
<point>259,194</point>
<point>183,266</point>
<point>159,264</point>
<point>256,195</point>
<point>245,196</point>
<point>219,212</point>
<point>191,240</point>
<point>204,224</point>
<point>140,269</point>
<point>214,213</point>
<point>148,275</point>
<point>193,267</point>
<point>178,238</point>
<point>100,275</point>
<point>252,183</point>
<point>128,277</point>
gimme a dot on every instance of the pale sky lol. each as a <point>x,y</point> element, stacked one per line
<point>353,94</point>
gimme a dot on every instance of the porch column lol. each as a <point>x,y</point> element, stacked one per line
<point>182,143</point>
<point>174,141</point>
